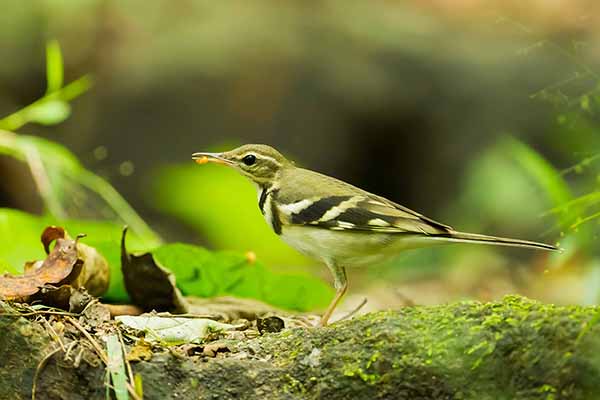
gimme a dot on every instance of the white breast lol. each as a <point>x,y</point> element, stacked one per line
<point>340,247</point>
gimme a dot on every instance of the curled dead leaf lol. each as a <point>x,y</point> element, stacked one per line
<point>69,265</point>
<point>51,234</point>
<point>54,270</point>
<point>149,285</point>
<point>95,275</point>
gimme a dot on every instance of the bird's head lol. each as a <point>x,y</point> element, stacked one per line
<point>259,162</point>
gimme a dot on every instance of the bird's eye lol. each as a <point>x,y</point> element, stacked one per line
<point>249,159</point>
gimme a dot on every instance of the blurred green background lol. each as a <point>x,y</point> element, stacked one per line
<point>481,114</point>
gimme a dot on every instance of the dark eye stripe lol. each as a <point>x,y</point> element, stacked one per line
<point>267,162</point>
<point>315,211</point>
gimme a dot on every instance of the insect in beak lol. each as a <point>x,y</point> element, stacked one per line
<point>204,158</point>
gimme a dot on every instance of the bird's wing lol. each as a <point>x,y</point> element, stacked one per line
<point>364,212</point>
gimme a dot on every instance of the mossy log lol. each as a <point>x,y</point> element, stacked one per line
<point>513,349</point>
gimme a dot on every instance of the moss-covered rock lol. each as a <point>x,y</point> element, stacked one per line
<point>514,349</point>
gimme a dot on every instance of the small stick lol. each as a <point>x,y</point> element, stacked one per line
<point>32,313</point>
<point>69,348</point>
<point>54,334</point>
<point>89,337</point>
<point>101,353</point>
<point>127,364</point>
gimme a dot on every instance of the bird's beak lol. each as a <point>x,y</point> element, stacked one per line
<point>203,158</point>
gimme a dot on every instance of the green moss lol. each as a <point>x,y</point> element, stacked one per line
<point>293,385</point>
<point>512,349</point>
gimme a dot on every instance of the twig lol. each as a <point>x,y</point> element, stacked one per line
<point>89,337</point>
<point>54,334</point>
<point>39,369</point>
<point>78,357</point>
<point>215,317</point>
<point>70,347</point>
<point>127,364</point>
<point>31,313</point>
<point>100,353</point>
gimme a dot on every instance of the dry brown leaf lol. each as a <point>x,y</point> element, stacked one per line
<point>51,234</point>
<point>95,274</point>
<point>149,285</point>
<point>70,265</point>
<point>56,268</point>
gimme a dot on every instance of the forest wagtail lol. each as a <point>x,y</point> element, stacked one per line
<point>335,222</point>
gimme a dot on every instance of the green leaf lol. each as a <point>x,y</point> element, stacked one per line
<point>116,367</point>
<point>71,91</point>
<point>49,112</point>
<point>54,66</point>
<point>543,173</point>
<point>199,272</point>
<point>203,273</point>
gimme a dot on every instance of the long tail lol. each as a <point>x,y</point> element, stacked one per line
<point>464,237</point>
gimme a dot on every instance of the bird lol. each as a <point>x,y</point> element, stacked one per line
<point>335,222</point>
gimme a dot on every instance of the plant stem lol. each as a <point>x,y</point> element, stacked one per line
<point>19,118</point>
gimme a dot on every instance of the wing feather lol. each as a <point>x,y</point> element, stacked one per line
<point>359,213</point>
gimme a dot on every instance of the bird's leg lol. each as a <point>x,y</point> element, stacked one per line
<point>340,282</point>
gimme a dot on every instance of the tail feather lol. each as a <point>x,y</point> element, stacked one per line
<point>464,237</point>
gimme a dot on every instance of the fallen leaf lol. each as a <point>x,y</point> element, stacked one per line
<point>31,266</point>
<point>54,270</point>
<point>54,296</point>
<point>149,285</point>
<point>174,330</point>
<point>95,274</point>
<point>70,265</point>
<point>51,234</point>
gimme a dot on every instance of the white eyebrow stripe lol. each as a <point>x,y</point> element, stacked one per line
<point>334,212</point>
<point>295,208</point>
